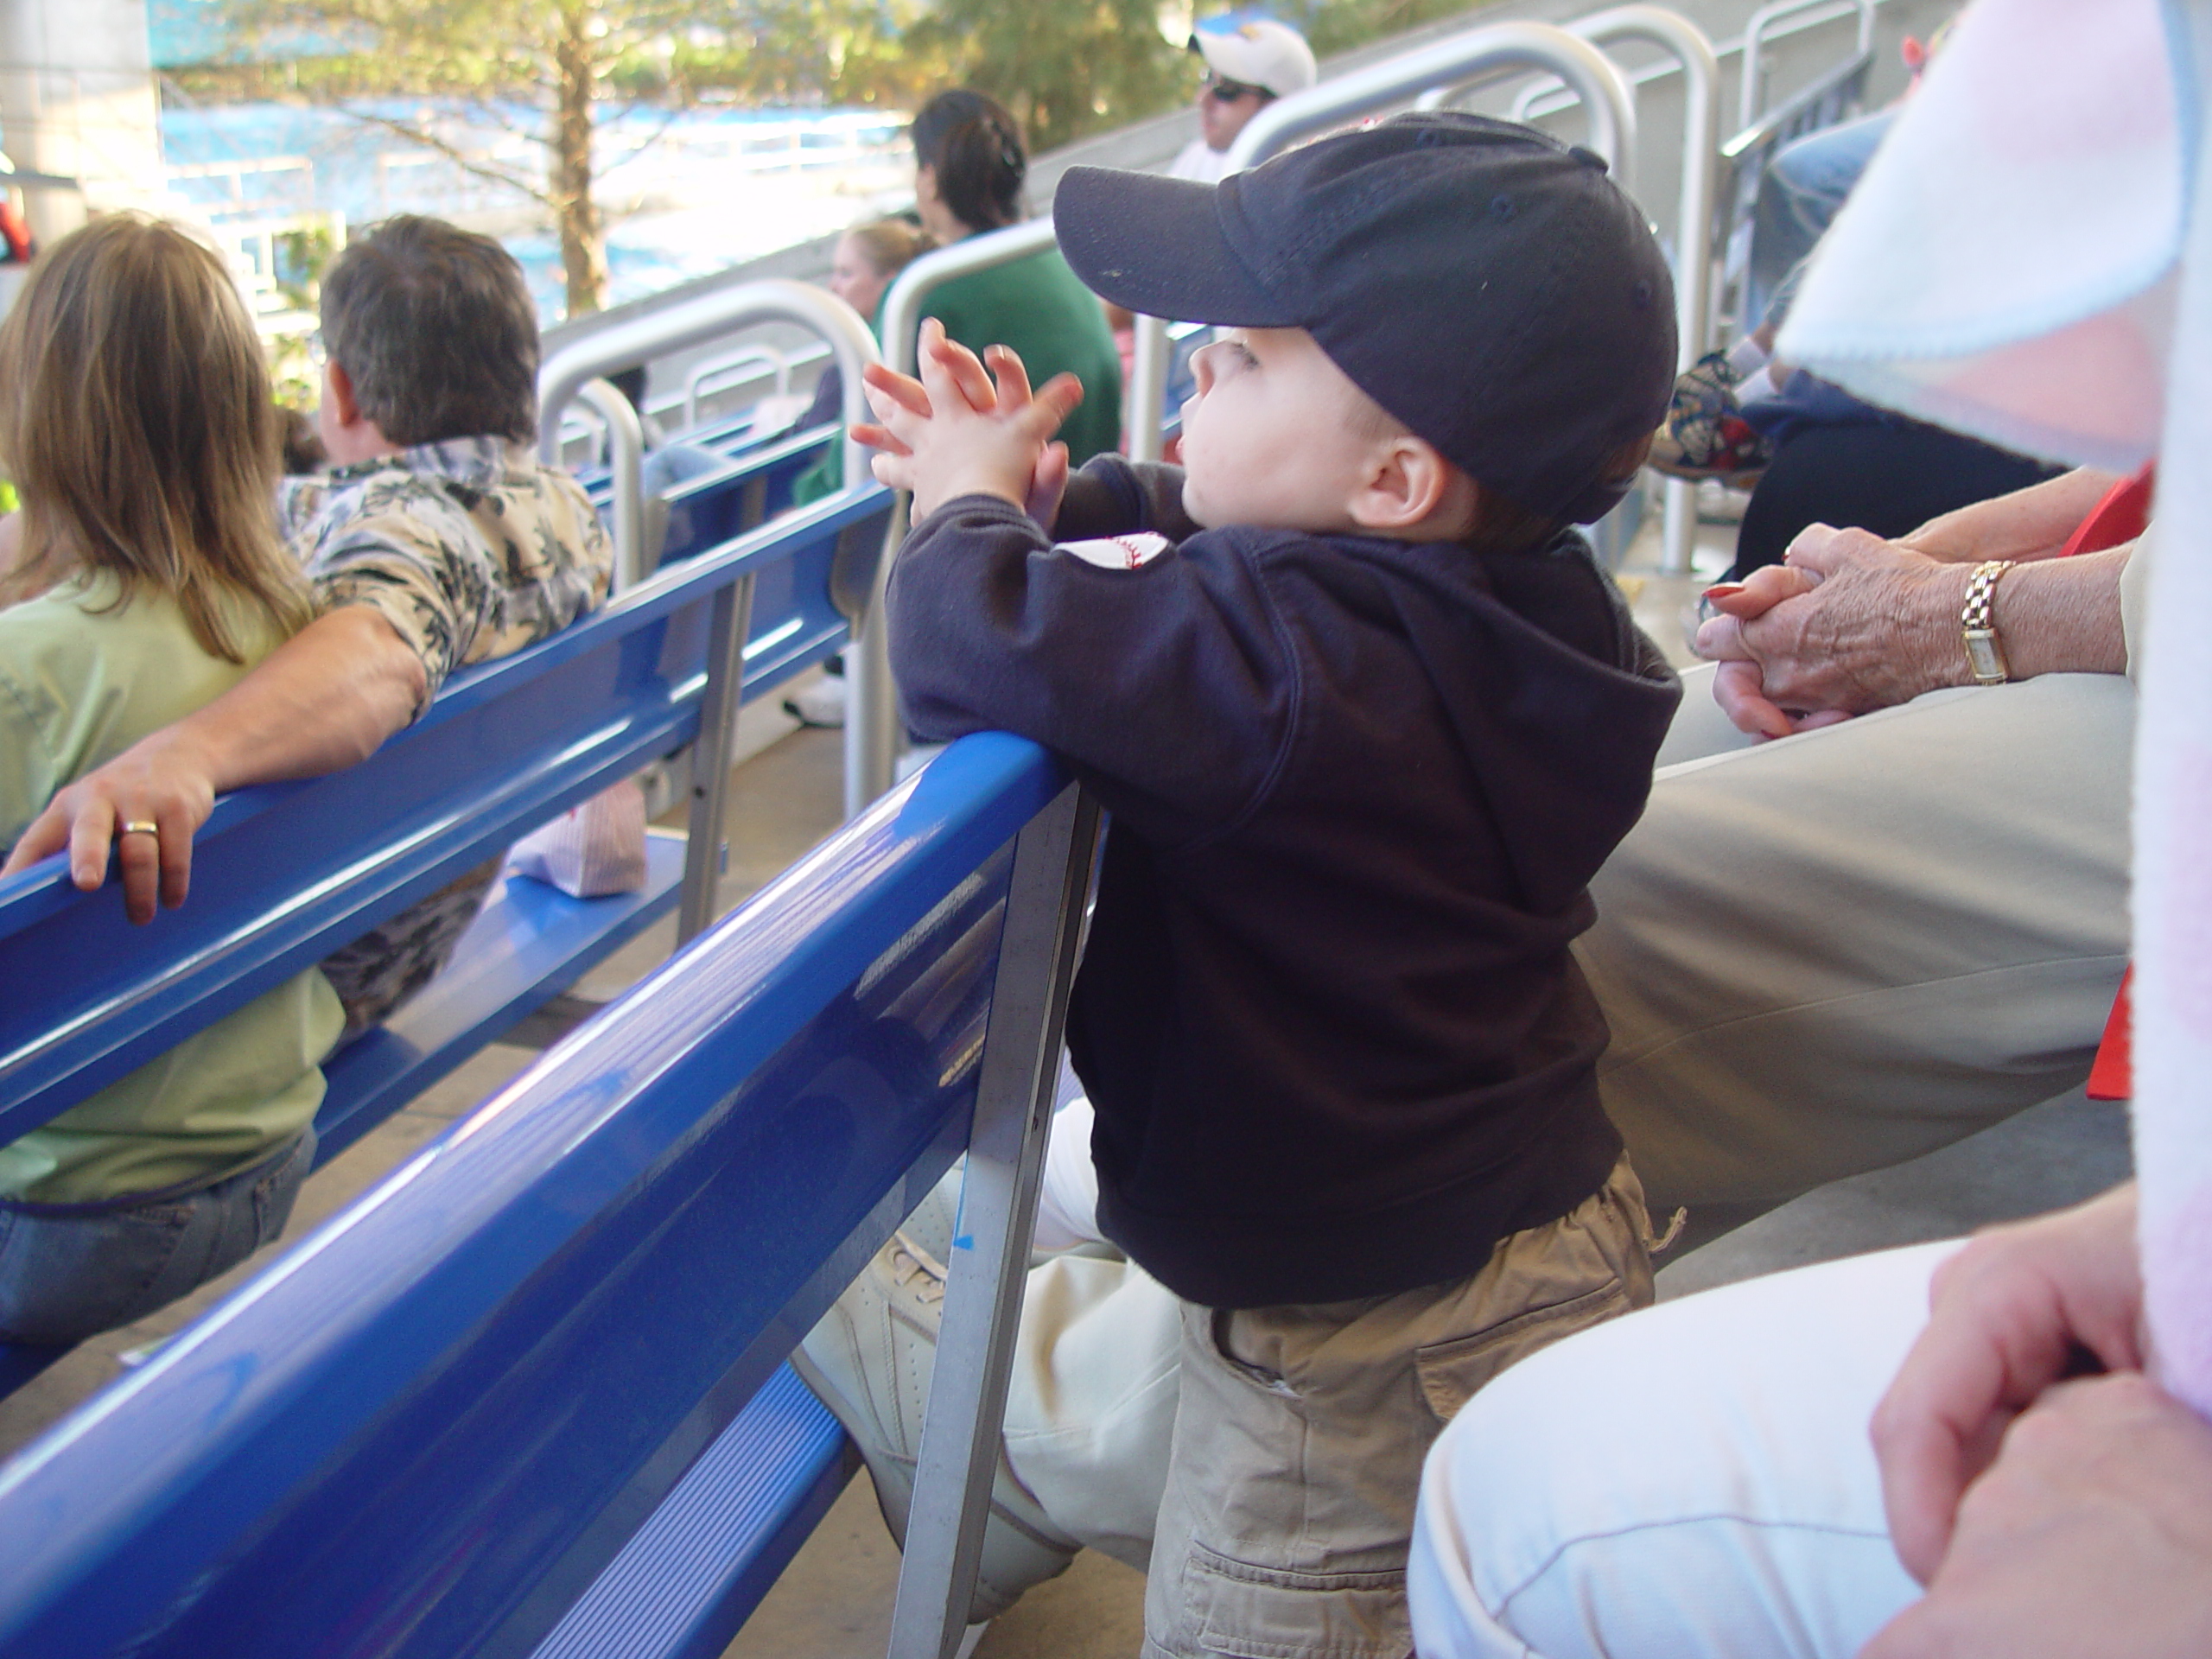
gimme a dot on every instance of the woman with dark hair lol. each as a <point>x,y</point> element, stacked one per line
<point>969,168</point>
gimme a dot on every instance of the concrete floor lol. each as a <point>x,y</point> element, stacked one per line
<point>834,1601</point>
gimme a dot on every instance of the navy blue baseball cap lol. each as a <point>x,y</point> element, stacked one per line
<point>1489,286</point>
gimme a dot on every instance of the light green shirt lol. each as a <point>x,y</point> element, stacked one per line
<point>79,684</point>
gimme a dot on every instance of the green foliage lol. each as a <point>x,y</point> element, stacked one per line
<point>1339,25</point>
<point>1064,67</point>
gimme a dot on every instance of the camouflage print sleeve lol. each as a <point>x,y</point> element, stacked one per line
<point>415,560</point>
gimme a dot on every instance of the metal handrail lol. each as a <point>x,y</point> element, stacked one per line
<point>750,357</point>
<point>872,701</point>
<point>1694,55</point>
<point>1605,92</point>
<point>1428,74</point>
<point>625,460</point>
<point>1750,85</point>
<point>871,727</point>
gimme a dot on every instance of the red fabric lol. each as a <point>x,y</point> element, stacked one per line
<point>2112,1076</point>
<point>2118,517</point>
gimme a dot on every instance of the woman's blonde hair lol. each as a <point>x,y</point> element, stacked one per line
<point>136,423</point>
<point>891,245</point>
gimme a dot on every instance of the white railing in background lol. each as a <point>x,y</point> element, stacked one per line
<point>1692,56</point>
<point>566,375</point>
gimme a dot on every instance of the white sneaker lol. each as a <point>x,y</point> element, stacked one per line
<point>869,1361</point>
<point>821,703</point>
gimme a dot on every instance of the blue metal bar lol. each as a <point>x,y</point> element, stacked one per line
<point>428,1428</point>
<point>286,874</point>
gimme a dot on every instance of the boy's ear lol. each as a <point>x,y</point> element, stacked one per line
<point>1408,487</point>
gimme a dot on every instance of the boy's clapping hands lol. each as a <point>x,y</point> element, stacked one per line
<point>954,433</point>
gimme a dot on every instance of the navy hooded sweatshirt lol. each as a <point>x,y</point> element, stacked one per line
<point>1327,1017</point>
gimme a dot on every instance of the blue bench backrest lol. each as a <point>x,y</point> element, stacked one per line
<point>282,875</point>
<point>429,1429</point>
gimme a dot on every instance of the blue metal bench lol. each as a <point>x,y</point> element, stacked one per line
<point>527,1396</point>
<point>285,874</point>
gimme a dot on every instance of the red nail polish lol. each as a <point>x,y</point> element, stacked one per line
<point>1724,590</point>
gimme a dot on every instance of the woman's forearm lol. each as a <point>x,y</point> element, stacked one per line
<point>2030,523</point>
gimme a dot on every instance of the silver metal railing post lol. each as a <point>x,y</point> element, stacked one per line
<point>626,458</point>
<point>1686,43</point>
<point>1427,74</point>
<point>990,1258</point>
<point>869,732</point>
<point>1750,84</point>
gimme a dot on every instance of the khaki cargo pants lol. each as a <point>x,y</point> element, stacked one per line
<point>1300,1432</point>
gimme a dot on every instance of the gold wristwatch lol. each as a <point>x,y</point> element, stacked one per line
<point>1984,657</point>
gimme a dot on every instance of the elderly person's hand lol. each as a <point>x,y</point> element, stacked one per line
<point>1850,623</point>
<point>2091,1534</point>
<point>2010,1315</point>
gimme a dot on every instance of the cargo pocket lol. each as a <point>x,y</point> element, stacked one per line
<point>1235,1609</point>
<point>1451,1370</point>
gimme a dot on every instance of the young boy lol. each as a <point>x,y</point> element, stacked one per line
<point>1367,716</point>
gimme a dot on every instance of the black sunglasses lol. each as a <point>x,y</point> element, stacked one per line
<point>1228,91</point>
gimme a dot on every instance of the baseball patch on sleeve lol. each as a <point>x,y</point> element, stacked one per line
<point>1120,552</point>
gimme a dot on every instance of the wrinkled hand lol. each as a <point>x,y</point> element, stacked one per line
<point>2008,1317</point>
<point>1850,623</point>
<point>959,431</point>
<point>162,780</point>
<point>2090,1535</point>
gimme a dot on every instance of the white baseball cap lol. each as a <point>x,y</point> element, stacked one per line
<point>1261,53</point>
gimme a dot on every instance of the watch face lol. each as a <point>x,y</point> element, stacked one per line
<point>1983,659</point>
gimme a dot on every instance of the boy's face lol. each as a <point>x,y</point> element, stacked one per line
<point>1277,436</point>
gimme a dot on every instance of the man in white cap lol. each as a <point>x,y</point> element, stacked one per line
<point>1248,67</point>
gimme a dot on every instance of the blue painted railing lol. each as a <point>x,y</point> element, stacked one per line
<point>502,1399</point>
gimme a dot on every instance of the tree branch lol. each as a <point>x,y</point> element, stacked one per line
<point>454,154</point>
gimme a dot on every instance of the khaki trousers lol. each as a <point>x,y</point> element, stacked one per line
<point>1839,951</point>
<point>1301,1431</point>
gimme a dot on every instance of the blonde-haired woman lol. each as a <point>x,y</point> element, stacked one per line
<point>145,578</point>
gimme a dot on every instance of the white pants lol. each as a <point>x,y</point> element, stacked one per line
<point>1691,1482</point>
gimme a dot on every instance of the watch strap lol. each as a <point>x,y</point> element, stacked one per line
<point>1978,627</point>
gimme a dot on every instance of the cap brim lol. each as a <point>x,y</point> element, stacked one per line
<point>1155,245</point>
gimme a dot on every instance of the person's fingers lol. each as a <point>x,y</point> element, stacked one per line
<point>1819,549</point>
<point>138,856</point>
<point>1742,697</point>
<point>1721,639</point>
<point>880,437</point>
<point>1012,374</point>
<point>1053,403</point>
<point>1761,591</point>
<point>967,374</point>
<point>2002,1331</point>
<point>895,471</point>
<point>1818,718</point>
<point>47,834</point>
<point>1047,484</point>
<point>903,389</point>
<point>92,825</point>
<point>950,369</point>
<point>174,847</point>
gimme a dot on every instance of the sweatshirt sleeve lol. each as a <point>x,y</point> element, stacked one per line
<point>1109,496</point>
<point>1168,684</point>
